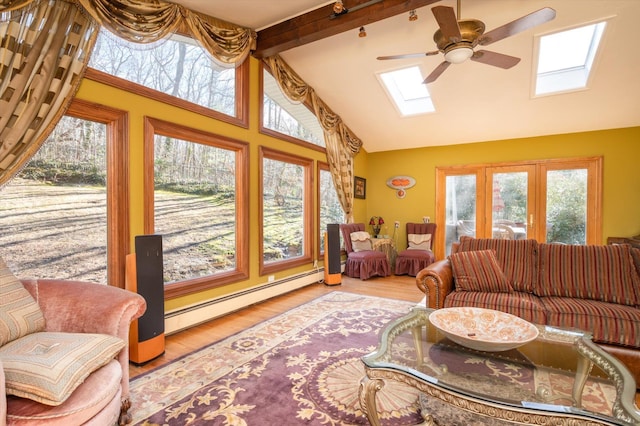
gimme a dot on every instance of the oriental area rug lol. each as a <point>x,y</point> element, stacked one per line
<point>302,367</point>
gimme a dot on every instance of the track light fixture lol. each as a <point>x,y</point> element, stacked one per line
<point>338,7</point>
<point>413,16</point>
<point>362,32</point>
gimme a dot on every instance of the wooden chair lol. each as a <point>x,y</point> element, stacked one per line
<point>362,264</point>
<point>413,260</point>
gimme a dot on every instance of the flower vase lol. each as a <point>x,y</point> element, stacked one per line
<point>376,230</point>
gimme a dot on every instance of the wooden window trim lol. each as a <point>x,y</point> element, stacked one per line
<point>152,127</point>
<point>270,132</point>
<point>117,123</point>
<point>307,163</point>
<point>242,95</point>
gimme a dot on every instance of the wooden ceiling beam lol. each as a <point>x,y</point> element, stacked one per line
<point>322,23</point>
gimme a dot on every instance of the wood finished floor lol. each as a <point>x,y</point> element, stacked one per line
<point>184,342</point>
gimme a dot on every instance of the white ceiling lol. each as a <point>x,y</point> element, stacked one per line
<point>474,102</point>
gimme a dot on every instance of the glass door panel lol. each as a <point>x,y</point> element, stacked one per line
<point>566,212</point>
<point>460,211</point>
<point>509,204</point>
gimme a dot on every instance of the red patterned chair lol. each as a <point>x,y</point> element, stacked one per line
<point>362,263</point>
<point>418,254</point>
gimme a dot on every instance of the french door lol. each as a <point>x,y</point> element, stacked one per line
<point>550,201</point>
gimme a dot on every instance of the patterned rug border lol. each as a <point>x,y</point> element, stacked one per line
<point>149,393</point>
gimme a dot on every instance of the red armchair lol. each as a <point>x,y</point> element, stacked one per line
<point>363,264</point>
<point>414,259</point>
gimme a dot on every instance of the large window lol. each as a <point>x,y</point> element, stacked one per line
<point>177,70</point>
<point>330,210</point>
<point>196,200</point>
<point>551,201</point>
<point>285,119</point>
<point>285,211</point>
<point>59,212</point>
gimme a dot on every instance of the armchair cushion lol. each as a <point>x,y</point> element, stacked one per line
<point>48,366</point>
<point>361,241</point>
<point>479,271</point>
<point>419,241</point>
<point>19,313</point>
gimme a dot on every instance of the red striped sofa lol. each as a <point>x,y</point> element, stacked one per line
<point>593,288</point>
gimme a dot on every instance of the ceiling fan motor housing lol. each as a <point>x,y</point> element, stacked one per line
<point>470,30</point>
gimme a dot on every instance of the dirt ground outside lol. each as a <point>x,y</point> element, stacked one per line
<point>51,231</point>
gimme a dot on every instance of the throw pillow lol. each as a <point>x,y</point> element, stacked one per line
<point>419,241</point>
<point>361,241</point>
<point>48,366</point>
<point>19,313</point>
<point>479,271</point>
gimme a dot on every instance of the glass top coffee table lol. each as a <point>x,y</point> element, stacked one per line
<point>560,378</point>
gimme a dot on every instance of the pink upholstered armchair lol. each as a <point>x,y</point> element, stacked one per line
<point>416,257</point>
<point>362,264</point>
<point>102,398</point>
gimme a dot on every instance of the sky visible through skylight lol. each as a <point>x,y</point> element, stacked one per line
<point>406,88</point>
<point>565,58</point>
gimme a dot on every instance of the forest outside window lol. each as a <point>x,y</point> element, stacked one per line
<point>176,68</point>
<point>285,210</point>
<point>195,198</point>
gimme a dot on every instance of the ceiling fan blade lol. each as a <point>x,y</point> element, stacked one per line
<point>521,24</point>
<point>446,18</point>
<point>496,59</point>
<point>408,55</point>
<point>436,72</point>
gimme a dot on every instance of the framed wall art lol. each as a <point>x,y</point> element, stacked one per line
<point>359,187</point>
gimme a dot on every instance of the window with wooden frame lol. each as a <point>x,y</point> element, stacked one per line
<point>556,200</point>
<point>177,71</point>
<point>286,210</point>
<point>329,208</point>
<point>287,120</point>
<point>196,197</point>
<point>72,199</point>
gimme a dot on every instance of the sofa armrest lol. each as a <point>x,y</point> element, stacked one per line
<point>436,281</point>
<point>3,398</point>
<point>84,307</point>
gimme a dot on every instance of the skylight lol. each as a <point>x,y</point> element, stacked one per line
<point>566,58</point>
<point>407,91</point>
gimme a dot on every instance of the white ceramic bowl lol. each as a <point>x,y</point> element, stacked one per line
<point>483,329</point>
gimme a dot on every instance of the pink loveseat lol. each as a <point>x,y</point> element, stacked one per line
<point>80,307</point>
<point>594,288</point>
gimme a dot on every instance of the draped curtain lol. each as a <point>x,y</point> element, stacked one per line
<point>342,145</point>
<point>46,45</point>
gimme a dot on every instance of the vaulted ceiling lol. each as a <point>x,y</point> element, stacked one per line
<point>474,102</point>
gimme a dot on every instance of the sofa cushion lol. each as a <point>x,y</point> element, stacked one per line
<point>610,323</point>
<point>419,241</point>
<point>98,397</point>
<point>48,366</point>
<point>517,258</point>
<point>604,273</point>
<point>478,271</point>
<point>524,305</point>
<point>361,241</point>
<point>19,313</point>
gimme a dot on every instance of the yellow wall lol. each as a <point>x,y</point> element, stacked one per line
<point>620,149</point>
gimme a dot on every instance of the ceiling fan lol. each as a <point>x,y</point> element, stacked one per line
<point>456,39</point>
